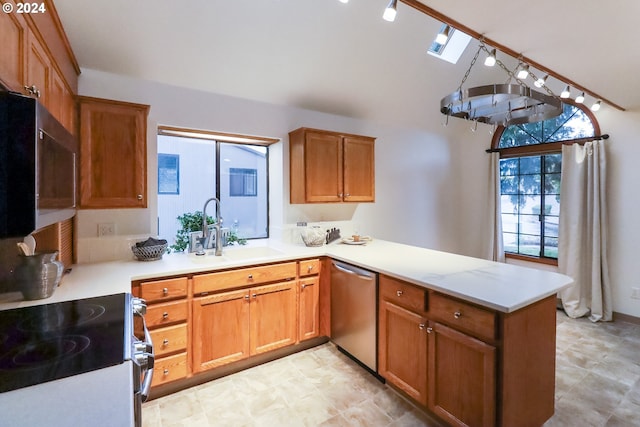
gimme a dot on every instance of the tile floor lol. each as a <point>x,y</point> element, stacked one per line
<point>597,384</point>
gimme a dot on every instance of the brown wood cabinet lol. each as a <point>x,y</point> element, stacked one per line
<point>167,318</point>
<point>231,326</point>
<point>13,33</point>
<point>467,364</point>
<point>309,299</point>
<point>113,154</point>
<point>330,167</point>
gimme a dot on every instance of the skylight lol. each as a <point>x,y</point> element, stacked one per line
<point>452,49</point>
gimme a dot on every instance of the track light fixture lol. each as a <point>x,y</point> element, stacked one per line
<point>490,61</point>
<point>541,81</point>
<point>596,106</point>
<point>566,93</point>
<point>580,98</point>
<point>391,11</point>
<point>523,73</point>
<point>443,35</point>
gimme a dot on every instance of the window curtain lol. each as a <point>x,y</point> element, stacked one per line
<point>495,244</point>
<point>582,242</point>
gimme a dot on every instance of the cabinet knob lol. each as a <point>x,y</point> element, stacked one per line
<point>429,329</point>
<point>33,90</point>
<point>246,297</point>
<point>347,195</point>
<point>165,342</point>
<point>340,195</point>
<point>254,295</point>
<point>165,291</point>
<point>165,315</point>
<point>457,314</point>
<point>310,268</point>
<point>166,372</point>
<point>421,326</point>
<point>304,285</point>
<point>399,293</point>
<point>139,196</point>
<point>250,277</point>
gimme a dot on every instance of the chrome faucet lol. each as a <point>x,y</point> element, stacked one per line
<point>217,227</point>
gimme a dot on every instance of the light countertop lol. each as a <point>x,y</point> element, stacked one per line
<point>500,286</point>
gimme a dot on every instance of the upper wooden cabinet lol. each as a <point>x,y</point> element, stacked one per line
<point>36,60</point>
<point>113,154</point>
<point>330,167</point>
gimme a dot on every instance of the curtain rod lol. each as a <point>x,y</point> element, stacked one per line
<point>565,142</point>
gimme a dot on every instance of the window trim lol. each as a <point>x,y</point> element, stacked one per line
<point>542,149</point>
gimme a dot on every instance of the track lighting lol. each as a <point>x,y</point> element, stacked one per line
<point>390,11</point>
<point>580,98</point>
<point>490,61</point>
<point>566,92</point>
<point>443,35</point>
<point>596,106</point>
<point>523,73</point>
<point>541,81</point>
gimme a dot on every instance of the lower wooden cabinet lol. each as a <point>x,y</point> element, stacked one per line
<point>462,377</point>
<point>308,308</point>
<point>231,326</point>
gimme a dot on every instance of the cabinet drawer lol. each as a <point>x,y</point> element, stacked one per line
<point>308,267</point>
<point>214,282</point>
<point>462,315</point>
<point>166,313</point>
<point>403,294</point>
<point>169,368</point>
<point>169,340</point>
<point>161,290</point>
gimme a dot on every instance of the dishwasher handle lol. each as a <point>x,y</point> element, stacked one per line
<point>362,274</point>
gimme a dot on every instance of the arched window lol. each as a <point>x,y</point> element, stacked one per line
<point>530,167</point>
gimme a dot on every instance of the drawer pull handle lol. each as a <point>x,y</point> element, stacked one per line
<point>304,285</point>
<point>255,295</point>
<point>457,314</point>
<point>399,293</point>
<point>421,326</point>
<point>166,372</point>
<point>165,342</point>
<point>250,277</point>
<point>310,268</point>
<point>246,297</point>
<point>165,315</point>
<point>429,329</point>
<point>165,291</point>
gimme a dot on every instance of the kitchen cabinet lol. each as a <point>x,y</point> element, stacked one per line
<point>331,167</point>
<point>38,70</point>
<point>467,364</point>
<point>167,318</point>
<point>309,299</point>
<point>402,341</point>
<point>113,154</point>
<point>232,325</point>
<point>13,33</point>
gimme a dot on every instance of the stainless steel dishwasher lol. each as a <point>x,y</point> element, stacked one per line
<point>353,312</point>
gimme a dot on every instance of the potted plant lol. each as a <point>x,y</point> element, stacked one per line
<point>192,221</point>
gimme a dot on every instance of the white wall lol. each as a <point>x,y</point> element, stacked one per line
<point>413,185</point>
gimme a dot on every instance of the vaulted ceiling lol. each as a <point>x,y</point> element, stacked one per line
<point>343,58</point>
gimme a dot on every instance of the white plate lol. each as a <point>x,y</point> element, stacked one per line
<point>353,242</point>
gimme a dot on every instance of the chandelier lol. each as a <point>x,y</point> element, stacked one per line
<point>501,104</point>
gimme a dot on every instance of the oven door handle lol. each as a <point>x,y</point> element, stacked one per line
<point>149,355</point>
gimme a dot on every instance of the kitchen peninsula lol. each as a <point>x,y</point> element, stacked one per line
<point>498,320</point>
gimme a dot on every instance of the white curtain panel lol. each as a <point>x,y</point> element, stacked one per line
<point>495,248</point>
<point>582,243</point>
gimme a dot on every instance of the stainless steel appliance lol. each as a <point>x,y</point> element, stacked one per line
<point>37,167</point>
<point>75,363</point>
<point>353,312</point>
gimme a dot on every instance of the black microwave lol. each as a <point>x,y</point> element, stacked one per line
<point>37,167</point>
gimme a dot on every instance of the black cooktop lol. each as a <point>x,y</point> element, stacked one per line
<point>48,342</point>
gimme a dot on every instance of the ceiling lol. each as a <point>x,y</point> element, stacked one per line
<point>343,58</point>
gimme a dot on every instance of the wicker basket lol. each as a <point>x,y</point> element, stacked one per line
<point>313,236</point>
<point>149,253</point>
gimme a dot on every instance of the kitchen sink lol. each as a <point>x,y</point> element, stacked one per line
<point>240,253</point>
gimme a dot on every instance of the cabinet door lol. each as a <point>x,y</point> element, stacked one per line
<point>323,167</point>
<point>402,350</point>
<point>38,69</point>
<point>462,378</point>
<point>220,329</point>
<point>113,154</point>
<point>359,169</point>
<point>13,34</point>
<point>273,316</point>
<point>309,310</point>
